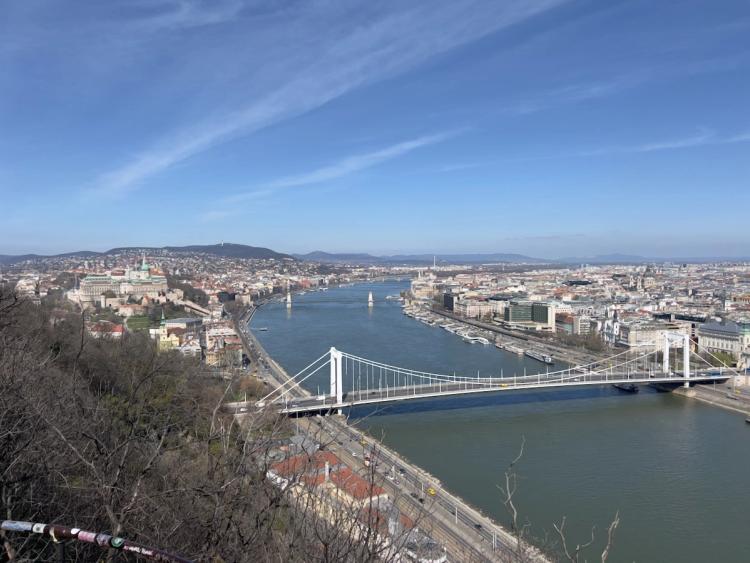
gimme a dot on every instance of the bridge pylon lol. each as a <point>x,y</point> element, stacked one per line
<point>337,380</point>
<point>686,358</point>
<point>685,338</point>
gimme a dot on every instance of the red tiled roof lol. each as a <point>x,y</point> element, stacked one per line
<point>106,326</point>
<point>354,485</point>
<point>304,463</point>
<point>379,520</point>
<point>311,469</point>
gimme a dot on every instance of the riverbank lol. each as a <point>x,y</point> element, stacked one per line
<point>724,397</point>
<point>454,518</point>
<point>265,364</point>
<point>583,447</point>
<point>556,351</point>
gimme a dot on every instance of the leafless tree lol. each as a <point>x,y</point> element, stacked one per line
<point>574,555</point>
<point>524,551</point>
<point>117,437</point>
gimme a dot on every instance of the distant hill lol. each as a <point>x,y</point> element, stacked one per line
<point>231,250</point>
<point>635,259</point>
<point>609,259</point>
<point>12,259</point>
<point>362,258</point>
<point>481,258</point>
<point>228,250</point>
<point>495,258</point>
<point>330,258</point>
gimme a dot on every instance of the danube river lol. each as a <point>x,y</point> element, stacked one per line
<point>677,470</point>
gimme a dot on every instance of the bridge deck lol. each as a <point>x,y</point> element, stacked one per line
<point>468,387</point>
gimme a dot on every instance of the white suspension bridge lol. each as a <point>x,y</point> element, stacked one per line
<point>371,382</point>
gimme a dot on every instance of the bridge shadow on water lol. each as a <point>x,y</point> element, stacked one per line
<point>495,399</point>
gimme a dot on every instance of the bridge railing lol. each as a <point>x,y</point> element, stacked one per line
<point>367,377</point>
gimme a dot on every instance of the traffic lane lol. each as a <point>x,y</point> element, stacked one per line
<point>468,515</point>
<point>416,509</point>
<point>266,363</point>
<point>421,483</point>
<point>446,531</point>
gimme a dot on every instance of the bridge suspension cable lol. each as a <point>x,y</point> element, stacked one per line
<point>294,378</point>
<point>484,381</point>
<point>371,376</point>
<point>723,363</point>
<point>375,382</point>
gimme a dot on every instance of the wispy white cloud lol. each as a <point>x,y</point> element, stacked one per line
<point>217,215</point>
<point>574,93</point>
<point>357,162</point>
<point>589,90</point>
<point>172,14</point>
<point>251,195</point>
<point>350,54</point>
<point>460,166</point>
<point>340,169</point>
<point>702,138</point>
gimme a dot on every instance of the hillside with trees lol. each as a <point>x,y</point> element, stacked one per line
<point>112,436</point>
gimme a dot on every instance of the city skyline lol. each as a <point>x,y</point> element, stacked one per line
<point>549,128</point>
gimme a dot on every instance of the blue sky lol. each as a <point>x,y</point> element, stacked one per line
<point>546,127</point>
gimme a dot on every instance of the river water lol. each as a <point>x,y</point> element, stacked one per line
<point>676,470</point>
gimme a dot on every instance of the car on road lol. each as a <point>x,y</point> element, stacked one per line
<point>414,495</point>
<point>477,526</point>
<point>431,491</point>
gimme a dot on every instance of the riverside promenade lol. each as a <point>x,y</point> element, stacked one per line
<point>466,533</point>
<point>728,396</point>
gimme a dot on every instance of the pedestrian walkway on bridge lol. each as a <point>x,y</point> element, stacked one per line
<point>371,382</point>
